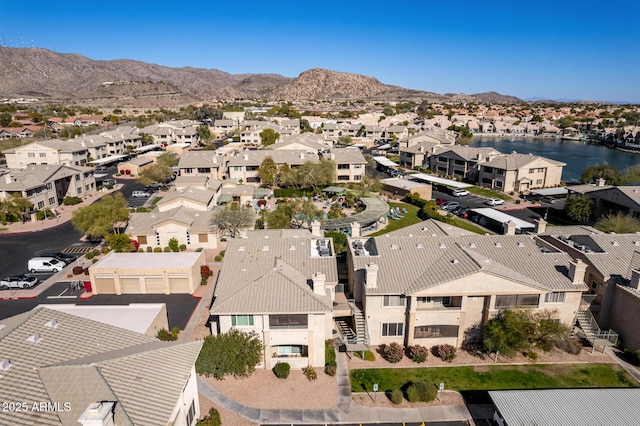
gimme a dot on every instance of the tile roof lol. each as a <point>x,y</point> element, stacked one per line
<point>195,159</point>
<point>255,157</point>
<point>38,174</point>
<point>408,264</point>
<point>616,254</point>
<point>202,196</point>
<point>518,161</point>
<point>347,156</point>
<point>429,228</point>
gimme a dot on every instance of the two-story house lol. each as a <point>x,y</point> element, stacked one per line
<point>53,151</point>
<point>520,173</point>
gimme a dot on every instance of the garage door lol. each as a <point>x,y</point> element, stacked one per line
<point>154,285</point>
<point>179,285</point>
<point>105,285</point>
<point>130,285</point>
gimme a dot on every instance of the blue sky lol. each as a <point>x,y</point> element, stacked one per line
<point>559,49</point>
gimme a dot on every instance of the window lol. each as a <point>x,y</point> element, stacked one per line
<point>288,321</point>
<point>538,181</point>
<point>532,170</point>
<point>40,204</point>
<point>393,301</point>
<point>191,415</point>
<point>357,166</point>
<point>49,186</point>
<point>437,301</point>
<point>342,178</point>
<point>203,238</point>
<point>77,177</point>
<point>204,170</point>
<point>343,167</point>
<point>357,177</point>
<point>237,168</point>
<point>555,297</point>
<point>43,154</point>
<point>500,172</point>
<point>188,170</point>
<point>434,331</point>
<point>242,320</point>
<point>31,155</point>
<point>52,201</point>
<point>392,329</point>
<point>517,300</point>
<point>142,239</point>
<point>290,350</point>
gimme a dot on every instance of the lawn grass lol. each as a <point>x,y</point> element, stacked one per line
<point>484,192</point>
<point>409,218</point>
<point>155,200</point>
<point>494,377</point>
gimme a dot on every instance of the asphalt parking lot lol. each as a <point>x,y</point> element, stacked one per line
<point>179,306</point>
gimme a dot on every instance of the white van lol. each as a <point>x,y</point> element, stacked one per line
<point>140,194</point>
<point>45,264</point>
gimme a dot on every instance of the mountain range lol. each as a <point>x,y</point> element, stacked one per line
<point>51,76</point>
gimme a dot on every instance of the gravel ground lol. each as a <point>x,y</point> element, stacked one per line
<point>264,390</point>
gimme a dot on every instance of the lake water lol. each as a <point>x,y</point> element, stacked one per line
<point>577,155</point>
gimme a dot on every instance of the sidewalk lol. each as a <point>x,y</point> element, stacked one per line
<point>64,215</point>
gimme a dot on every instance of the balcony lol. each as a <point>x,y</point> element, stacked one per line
<point>445,303</point>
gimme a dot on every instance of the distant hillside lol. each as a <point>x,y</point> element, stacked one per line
<point>496,98</point>
<point>41,73</point>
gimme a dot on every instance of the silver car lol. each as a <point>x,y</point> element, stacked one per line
<point>18,281</point>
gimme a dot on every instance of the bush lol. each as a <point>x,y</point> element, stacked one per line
<point>396,396</point>
<point>71,201</point>
<point>368,355</point>
<point>418,353</point>
<point>165,335</point>
<point>149,249</point>
<point>222,252</point>
<point>282,370</point>
<point>93,253</point>
<point>392,353</point>
<point>329,353</point>
<point>330,370</point>
<point>218,258</point>
<point>167,249</point>
<point>77,270</point>
<point>445,352</point>
<point>211,419</point>
<point>232,353</point>
<point>310,372</point>
<point>183,247</point>
<point>199,249</point>
<point>157,250</point>
<point>421,392</point>
<point>533,356</point>
<point>140,250</point>
<point>174,245</point>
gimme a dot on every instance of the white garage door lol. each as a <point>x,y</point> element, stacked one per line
<point>179,285</point>
<point>130,285</point>
<point>154,285</point>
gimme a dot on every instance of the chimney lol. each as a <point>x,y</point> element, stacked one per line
<point>315,229</point>
<point>302,155</point>
<point>355,230</point>
<point>421,148</point>
<point>600,182</point>
<point>245,157</point>
<point>371,275</point>
<point>635,278</point>
<point>8,178</point>
<point>98,414</point>
<point>577,271</point>
<point>319,280</point>
<point>541,225</point>
<point>83,143</point>
<point>509,228</point>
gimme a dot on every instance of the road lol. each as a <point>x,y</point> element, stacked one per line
<point>17,249</point>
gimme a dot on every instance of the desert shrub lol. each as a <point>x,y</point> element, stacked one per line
<point>105,250</point>
<point>167,249</point>
<point>174,245</point>
<point>418,353</point>
<point>205,271</point>
<point>329,352</point>
<point>396,396</point>
<point>140,250</point>
<point>445,352</point>
<point>165,335</point>
<point>93,253</point>
<point>157,250</point>
<point>149,249</point>
<point>71,201</point>
<point>392,353</point>
<point>183,247</point>
<point>330,370</point>
<point>569,345</point>
<point>211,419</point>
<point>218,258</point>
<point>199,249</point>
<point>94,260</point>
<point>421,392</point>
<point>77,270</point>
<point>310,372</point>
<point>282,370</point>
<point>222,252</point>
<point>232,353</point>
<point>533,356</point>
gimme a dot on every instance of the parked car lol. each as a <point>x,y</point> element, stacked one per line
<point>101,168</point>
<point>449,205</point>
<point>459,193</point>
<point>18,281</point>
<point>140,194</point>
<point>463,213</point>
<point>549,200</point>
<point>65,257</point>
<point>439,201</point>
<point>45,264</point>
<point>494,202</point>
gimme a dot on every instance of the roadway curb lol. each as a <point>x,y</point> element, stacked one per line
<point>19,298</point>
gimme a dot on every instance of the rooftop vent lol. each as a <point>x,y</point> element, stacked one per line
<point>292,247</point>
<point>394,247</point>
<point>5,364</point>
<point>520,244</point>
<point>442,245</point>
<point>35,338</point>
<point>419,246</point>
<point>424,228</point>
<point>266,236</point>
<point>52,324</point>
<point>472,245</point>
<point>411,235</point>
<point>615,243</point>
<point>265,248</point>
<point>2,326</point>
<point>241,248</point>
<point>635,243</point>
<point>454,261</point>
<point>498,245</point>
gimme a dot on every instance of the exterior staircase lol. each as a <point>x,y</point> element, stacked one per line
<point>362,332</point>
<point>348,335</point>
<point>592,331</point>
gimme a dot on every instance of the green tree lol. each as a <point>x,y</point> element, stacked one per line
<point>339,241</point>
<point>269,136</point>
<point>610,174</point>
<point>345,140</point>
<point>19,205</point>
<point>174,245</point>
<point>120,243</point>
<point>204,134</point>
<point>388,111</point>
<point>287,177</point>
<point>335,212</point>
<point>230,220</point>
<point>618,223</point>
<point>231,353</point>
<point>211,419</point>
<point>155,173</point>
<point>630,176</point>
<point>146,138</point>
<point>102,217</point>
<point>566,122</point>
<point>5,119</point>
<point>268,172</point>
<point>578,207</point>
<point>168,159</point>
<point>318,174</point>
<point>305,126</point>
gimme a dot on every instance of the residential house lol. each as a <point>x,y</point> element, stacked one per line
<point>197,181</point>
<point>47,185</point>
<point>434,289</point>
<point>172,132</point>
<point>417,154</point>
<point>202,163</point>
<point>520,173</point>
<point>242,166</point>
<point>200,199</point>
<point>305,141</point>
<point>432,135</point>
<point>53,151</point>
<point>610,199</point>
<point>65,370</point>
<point>122,140</point>
<point>282,288</point>
<point>460,161</point>
<point>350,163</point>
<point>223,127</point>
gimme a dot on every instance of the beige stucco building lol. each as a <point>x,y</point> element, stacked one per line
<point>147,273</point>
<point>53,152</point>
<point>520,173</point>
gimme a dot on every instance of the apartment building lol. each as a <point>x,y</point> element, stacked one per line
<point>520,173</point>
<point>53,151</point>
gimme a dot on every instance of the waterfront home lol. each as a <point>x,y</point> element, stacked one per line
<point>520,173</point>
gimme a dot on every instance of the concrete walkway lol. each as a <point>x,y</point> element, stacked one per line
<point>345,412</point>
<point>632,370</point>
